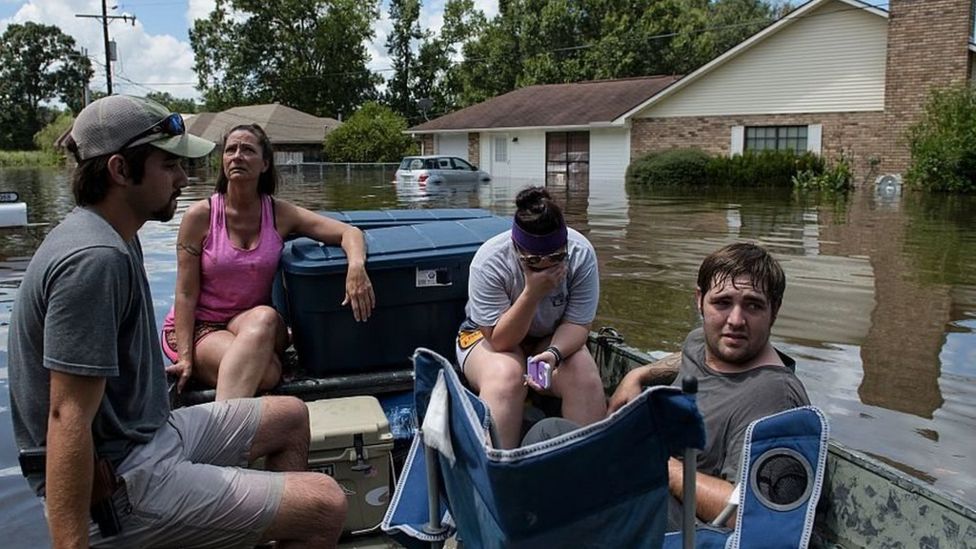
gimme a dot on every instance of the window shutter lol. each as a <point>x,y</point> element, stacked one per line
<point>815,138</point>
<point>738,140</point>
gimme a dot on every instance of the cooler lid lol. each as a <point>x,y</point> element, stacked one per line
<point>369,219</point>
<point>395,246</point>
<point>335,421</point>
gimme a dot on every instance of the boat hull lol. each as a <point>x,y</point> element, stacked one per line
<point>864,503</point>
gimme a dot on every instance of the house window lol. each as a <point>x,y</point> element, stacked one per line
<point>761,138</point>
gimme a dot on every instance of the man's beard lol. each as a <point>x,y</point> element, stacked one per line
<point>166,213</point>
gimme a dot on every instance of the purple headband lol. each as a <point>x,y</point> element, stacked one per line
<point>539,245</point>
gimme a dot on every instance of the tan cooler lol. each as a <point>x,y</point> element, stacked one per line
<point>351,442</point>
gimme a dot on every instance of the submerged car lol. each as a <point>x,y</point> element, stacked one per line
<point>434,169</point>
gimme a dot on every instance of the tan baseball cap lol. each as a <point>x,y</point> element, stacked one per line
<point>118,122</point>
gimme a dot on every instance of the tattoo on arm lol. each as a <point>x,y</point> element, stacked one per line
<point>188,248</point>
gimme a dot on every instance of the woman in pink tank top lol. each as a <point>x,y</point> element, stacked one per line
<point>222,329</point>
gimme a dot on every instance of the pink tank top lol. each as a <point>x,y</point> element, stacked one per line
<point>233,280</point>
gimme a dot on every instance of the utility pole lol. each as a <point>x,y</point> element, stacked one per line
<point>105,17</point>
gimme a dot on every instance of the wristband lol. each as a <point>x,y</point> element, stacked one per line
<point>555,352</point>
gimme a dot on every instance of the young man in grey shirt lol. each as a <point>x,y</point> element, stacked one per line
<point>741,376</point>
<point>87,379</point>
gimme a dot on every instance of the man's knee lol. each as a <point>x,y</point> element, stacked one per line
<point>325,501</point>
<point>287,415</point>
<point>313,506</point>
<point>330,497</point>
<point>287,407</point>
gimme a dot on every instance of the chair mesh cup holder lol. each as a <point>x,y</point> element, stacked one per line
<point>782,479</point>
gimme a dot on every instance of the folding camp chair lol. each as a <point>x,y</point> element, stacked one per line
<point>783,461</point>
<point>603,485</point>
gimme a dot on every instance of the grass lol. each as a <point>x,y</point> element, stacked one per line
<point>14,159</point>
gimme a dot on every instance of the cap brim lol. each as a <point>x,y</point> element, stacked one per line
<point>186,145</point>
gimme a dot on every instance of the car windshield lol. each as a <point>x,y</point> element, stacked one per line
<point>405,163</point>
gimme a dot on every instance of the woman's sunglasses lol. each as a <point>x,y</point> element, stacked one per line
<point>533,260</point>
<point>172,126</point>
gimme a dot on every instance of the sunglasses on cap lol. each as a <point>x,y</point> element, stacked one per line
<point>170,126</point>
<point>533,260</point>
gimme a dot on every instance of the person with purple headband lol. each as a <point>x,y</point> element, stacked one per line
<point>532,295</point>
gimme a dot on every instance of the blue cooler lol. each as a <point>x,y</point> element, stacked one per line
<point>420,277</point>
<point>376,219</point>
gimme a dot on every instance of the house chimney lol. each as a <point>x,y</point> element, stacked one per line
<point>928,48</point>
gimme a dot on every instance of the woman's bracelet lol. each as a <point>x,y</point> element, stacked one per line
<point>555,352</point>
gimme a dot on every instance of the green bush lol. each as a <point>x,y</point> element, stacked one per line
<point>373,134</point>
<point>943,143</point>
<point>838,177</point>
<point>14,159</point>
<point>683,167</point>
<point>762,168</point>
<point>670,168</point>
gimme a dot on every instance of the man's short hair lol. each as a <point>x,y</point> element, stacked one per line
<point>90,180</point>
<point>743,259</point>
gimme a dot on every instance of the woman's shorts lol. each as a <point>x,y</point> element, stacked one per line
<point>469,335</point>
<point>200,330</point>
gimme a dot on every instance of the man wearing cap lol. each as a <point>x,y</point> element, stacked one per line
<point>87,384</point>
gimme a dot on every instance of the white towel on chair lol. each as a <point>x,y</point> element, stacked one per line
<point>436,423</point>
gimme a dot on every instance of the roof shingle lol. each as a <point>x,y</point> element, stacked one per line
<point>572,104</point>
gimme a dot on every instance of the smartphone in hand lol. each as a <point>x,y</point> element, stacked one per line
<point>539,372</point>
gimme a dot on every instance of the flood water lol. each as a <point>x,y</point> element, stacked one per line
<point>879,312</point>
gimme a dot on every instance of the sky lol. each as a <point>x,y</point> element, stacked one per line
<point>154,54</point>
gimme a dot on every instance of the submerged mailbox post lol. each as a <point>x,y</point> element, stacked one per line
<point>420,277</point>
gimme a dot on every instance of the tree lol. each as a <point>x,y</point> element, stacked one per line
<point>436,76</point>
<point>308,54</point>
<point>400,45</point>
<point>373,134</point>
<point>555,41</point>
<point>943,143</point>
<point>38,63</point>
<point>174,104</point>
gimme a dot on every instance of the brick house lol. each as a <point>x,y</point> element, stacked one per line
<point>831,76</point>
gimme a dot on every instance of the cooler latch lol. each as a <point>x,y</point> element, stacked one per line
<point>361,465</point>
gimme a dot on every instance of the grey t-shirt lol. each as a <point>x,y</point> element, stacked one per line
<point>84,308</point>
<point>496,280</point>
<point>730,402</point>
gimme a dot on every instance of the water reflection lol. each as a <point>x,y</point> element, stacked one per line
<point>880,309</point>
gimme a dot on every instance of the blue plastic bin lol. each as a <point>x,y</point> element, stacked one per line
<point>420,277</point>
<point>377,219</point>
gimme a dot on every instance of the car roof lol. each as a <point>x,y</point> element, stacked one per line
<point>430,156</point>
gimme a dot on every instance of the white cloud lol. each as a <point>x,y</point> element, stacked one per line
<point>155,61</point>
<point>198,9</point>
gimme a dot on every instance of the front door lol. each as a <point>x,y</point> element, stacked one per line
<point>501,165</point>
<point>568,158</point>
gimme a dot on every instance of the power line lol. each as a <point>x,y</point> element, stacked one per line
<point>105,18</point>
